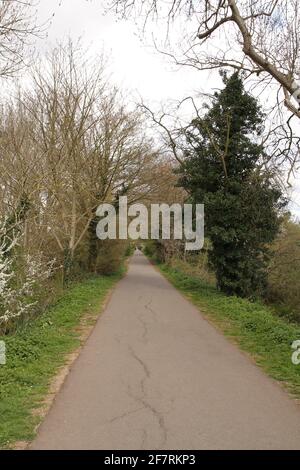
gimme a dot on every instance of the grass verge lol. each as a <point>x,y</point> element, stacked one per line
<point>255,328</point>
<point>37,351</point>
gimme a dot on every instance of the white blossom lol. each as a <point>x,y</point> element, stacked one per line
<point>17,291</point>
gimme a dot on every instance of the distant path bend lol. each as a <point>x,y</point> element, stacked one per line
<point>154,374</point>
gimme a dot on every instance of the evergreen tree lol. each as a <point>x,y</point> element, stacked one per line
<point>242,202</point>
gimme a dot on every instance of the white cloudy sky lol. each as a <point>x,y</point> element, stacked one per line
<point>135,66</point>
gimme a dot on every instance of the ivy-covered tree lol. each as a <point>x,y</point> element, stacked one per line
<point>242,202</point>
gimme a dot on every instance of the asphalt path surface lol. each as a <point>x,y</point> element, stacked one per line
<point>154,374</point>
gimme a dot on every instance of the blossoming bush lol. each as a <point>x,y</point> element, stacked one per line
<point>22,280</point>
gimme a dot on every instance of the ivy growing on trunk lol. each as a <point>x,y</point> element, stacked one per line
<point>222,169</point>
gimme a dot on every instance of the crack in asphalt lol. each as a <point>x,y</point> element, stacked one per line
<point>143,321</point>
<point>144,367</point>
<point>144,438</point>
<point>124,415</point>
<point>142,399</point>
<point>151,310</point>
<point>145,328</point>
<point>146,375</point>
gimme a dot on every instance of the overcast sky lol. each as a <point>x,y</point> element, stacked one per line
<point>136,67</point>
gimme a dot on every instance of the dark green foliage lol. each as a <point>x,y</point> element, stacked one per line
<point>110,254</point>
<point>155,249</point>
<point>92,245</point>
<point>241,202</point>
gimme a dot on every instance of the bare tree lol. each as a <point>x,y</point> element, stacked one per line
<point>90,147</point>
<point>17,30</point>
<point>257,37</point>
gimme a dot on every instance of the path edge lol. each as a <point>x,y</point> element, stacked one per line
<point>60,377</point>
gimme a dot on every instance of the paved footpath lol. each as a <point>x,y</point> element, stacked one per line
<point>154,374</point>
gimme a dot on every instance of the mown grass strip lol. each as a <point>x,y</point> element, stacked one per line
<point>36,351</point>
<point>253,326</point>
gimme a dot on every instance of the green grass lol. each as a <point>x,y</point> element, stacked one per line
<point>252,325</point>
<point>36,351</point>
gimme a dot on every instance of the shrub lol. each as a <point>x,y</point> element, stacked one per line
<point>284,271</point>
<point>109,256</point>
<point>22,279</point>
